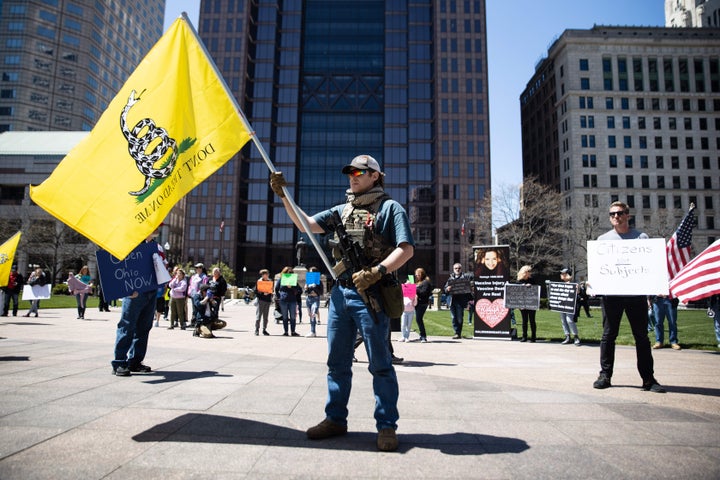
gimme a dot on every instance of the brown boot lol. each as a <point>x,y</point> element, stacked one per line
<point>387,440</point>
<point>326,429</point>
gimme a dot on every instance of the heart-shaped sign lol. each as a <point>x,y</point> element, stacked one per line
<point>491,313</point>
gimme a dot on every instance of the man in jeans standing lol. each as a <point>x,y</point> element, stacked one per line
<point>459,297</point>
<point>380,227</point>
<point>634,306</point>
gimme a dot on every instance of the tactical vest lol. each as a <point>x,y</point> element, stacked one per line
<point>360,226</point>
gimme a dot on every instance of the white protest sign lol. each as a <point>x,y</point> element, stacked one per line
<point>627,267</point>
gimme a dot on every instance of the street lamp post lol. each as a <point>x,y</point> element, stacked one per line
<point>244,272</point>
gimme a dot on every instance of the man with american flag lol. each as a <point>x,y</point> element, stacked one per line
<point>679,252</point>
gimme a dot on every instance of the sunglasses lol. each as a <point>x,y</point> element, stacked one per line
<point>619,213</point>
<point>357,173</point>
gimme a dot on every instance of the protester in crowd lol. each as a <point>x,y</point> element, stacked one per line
<point>12,291</point>
<point>207,312</point>
<point>568,319</point>
<point>407,317</point>
<point>524,277</point>
<point>82,292</point>
<point>178,290</point>
<point>634,306</point>
<point>287,299</point>
<point>160,303</point>
<point>264,299</point>
<point>196,279</point>
<point>380,226</point>
<point>423,292</point>
<point>133,329</point>
<point>714,313</point>
<point>103,305</point>
<point>459,294</point>
<point>37,277</point>
<point>313,292</point>
<point>583,299</point>
<point>218,287</point>
<point>665,307</point>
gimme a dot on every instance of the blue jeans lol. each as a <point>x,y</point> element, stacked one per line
<point>664,307</point>
<point>716,319</point>
<point>568,324</point>
<point>346,316</point>
<point>6,303</point>
<point>288,313</point>
<point>133,329</point>
<point>457,310</point>
<point>313,305</point>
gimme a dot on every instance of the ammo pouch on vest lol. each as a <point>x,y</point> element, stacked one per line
<point>392,297</point>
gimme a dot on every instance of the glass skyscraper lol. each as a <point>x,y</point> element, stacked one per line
<point>323,81</point>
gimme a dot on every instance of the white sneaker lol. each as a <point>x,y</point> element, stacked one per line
<point>401,339</point>
<point>311,335</point>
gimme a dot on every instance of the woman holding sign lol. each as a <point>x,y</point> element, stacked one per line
<point>313,292</point>
<point>524,277</point>
<point>81,289</point>
<point>286,290</point>
<point>263,294</point>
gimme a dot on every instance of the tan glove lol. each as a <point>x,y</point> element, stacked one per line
<point>277,182</point>
<point>365,278</point>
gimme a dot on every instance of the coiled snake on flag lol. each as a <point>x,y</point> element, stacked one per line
<point>138,146</point>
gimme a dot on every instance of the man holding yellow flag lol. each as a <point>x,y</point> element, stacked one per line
<point>172,124</point>
<point>8,277</point>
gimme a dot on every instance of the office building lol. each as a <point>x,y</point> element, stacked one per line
<point>323,81</point>
<point>692,13</point>
<point>630,114</point>
<point>62,61</point>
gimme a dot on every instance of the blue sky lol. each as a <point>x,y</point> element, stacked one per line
<point>519,33</point>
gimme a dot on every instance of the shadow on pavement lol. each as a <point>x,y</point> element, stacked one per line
<point>14,359</point>
<point>204,428</point>
<point>177,376</point>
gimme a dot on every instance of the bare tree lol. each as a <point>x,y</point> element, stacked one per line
<point>56,247</point>
<point>529,220</point>
<point>582,224</point>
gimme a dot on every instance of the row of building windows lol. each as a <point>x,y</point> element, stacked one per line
<point>689,74</point>
<point>671,123</point>
<point>591,181</point>
<point>654,104</point>
<point>590,160</point>
<point>588,141</point>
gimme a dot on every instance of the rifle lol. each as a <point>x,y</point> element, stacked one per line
<point>352,259</point>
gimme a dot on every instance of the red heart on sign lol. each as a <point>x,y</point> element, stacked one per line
<point>491,313</point>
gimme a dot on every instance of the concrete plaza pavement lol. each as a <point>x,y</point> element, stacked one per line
<point>238,406</point>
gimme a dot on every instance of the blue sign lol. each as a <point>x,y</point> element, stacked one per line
<point>312,278</point>
<point>135,273</point>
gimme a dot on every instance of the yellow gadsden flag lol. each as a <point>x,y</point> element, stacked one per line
<point>7,255</point>
<point>171,126</point>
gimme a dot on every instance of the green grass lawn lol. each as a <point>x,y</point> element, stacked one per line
<point>60,301</point>
<point>695,328</point>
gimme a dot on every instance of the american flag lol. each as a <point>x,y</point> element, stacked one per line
<point>462,228</point>
<point>679,247</point>
<point>222,225</point>
<point>700,278</point>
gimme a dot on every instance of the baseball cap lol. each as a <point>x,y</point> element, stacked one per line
<point>199,265</point>
<point>362,162</point>
<point>565,270</point>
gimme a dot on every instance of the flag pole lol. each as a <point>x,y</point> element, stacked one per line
<point>263,153</point>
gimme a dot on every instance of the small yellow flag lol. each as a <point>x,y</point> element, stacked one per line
<point>7,256</point>
<point>172,125</point>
